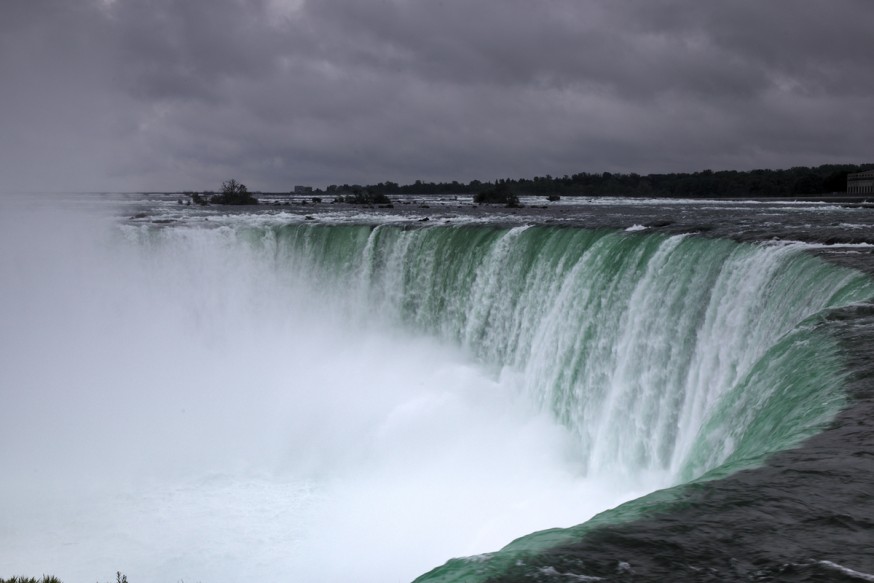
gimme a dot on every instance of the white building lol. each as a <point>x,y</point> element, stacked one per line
<point>861,183</point>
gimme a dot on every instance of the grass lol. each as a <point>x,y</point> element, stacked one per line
<point>119,578</point>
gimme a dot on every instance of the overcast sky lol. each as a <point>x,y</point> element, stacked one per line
<point>182,94</point>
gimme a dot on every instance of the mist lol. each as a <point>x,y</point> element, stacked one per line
<point>179,405</point>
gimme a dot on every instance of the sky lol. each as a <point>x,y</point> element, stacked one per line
<point>130,95</point>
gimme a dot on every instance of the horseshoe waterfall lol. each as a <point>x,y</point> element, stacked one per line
<point>238,399</point>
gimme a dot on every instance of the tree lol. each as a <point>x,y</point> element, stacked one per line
<point>234,192</point>
<point>501,194</point>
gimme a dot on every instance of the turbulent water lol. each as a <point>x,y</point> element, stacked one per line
<point>230,397</point>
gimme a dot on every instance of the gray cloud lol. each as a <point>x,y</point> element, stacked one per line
<point>161,94</point>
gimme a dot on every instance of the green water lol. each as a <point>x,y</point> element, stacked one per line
<point>678,356</point>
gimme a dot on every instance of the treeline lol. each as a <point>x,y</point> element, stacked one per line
<point>798,181</point>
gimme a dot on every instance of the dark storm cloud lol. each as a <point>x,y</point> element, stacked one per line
<point>134,94</point>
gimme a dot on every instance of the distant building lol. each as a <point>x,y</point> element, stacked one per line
<point>861,183</point>
<point>303,189</point>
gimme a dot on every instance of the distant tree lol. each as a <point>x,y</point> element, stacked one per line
<point>835,182</point>
<point>234,192</point>
<point>501,194</point>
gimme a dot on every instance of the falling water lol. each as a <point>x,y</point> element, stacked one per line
<point>319,401</point>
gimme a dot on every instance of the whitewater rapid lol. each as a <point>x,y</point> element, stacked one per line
<point>181,410</point>
<point>319,402</point>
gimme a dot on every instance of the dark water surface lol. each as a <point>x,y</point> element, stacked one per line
<point>831,223</point>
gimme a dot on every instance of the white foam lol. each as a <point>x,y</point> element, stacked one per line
<point>849,572</point>
<point>182,410</point>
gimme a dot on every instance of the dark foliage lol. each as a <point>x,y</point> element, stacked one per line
<point>501,194</point>
<point>233,192</point>
<point>798,181</point>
